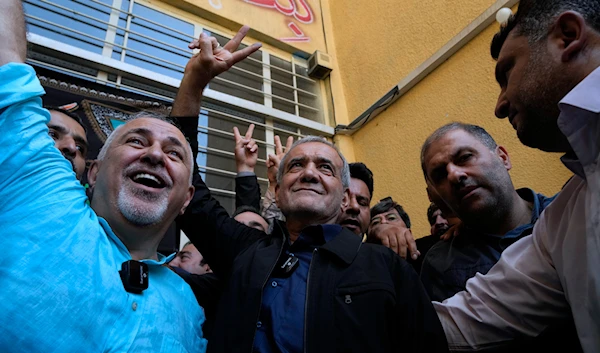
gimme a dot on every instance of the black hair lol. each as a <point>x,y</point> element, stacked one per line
<point>534,17</point>
<point>387,204</point>
<point>430,211</point>
<point>361,172</point>
<point>67,113</point>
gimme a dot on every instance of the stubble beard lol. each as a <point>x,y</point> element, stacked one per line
<point>142,208</point>
<point>543,87</point>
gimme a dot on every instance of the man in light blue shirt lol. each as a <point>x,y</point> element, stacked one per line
<point>60,287</point>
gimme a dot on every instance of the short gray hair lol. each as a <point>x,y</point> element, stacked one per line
<point>152,115</point>
<point>345,173</point>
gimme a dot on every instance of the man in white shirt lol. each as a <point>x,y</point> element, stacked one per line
<point>548,58</point>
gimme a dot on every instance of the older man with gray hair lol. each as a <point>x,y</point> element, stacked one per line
<point>81,278</point>
<point>312,285</point>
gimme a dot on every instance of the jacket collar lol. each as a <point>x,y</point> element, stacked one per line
<point>344,246</point>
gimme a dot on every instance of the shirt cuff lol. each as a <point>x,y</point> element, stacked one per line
<point>245,174</point>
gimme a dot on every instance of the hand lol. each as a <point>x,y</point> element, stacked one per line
<point>274,160</point>
<point>397,238</point>
<point>213,59</point>
<point>452,232</point>
<point>246,150</point>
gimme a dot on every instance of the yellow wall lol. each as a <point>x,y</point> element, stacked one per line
<point>376,48</point>
<point>377,43</point>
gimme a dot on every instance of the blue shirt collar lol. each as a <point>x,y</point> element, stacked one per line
<point>539,202</point>
<point>162,259</point>
<point>319,234</point>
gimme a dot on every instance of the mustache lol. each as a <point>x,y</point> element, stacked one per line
<point>158,171</point>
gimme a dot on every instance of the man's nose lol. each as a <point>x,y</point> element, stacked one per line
<point>353,206</point>
<point>309,174</point>
<point>440,220</point>
<point>154,155</point>
<point>456,174</point>
<point>67,146</point>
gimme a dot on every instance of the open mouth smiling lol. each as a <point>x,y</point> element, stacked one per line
<point>148,180</point>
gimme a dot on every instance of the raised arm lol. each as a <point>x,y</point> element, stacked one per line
<point>12,32</point>
<point>270,210</point>
<point>205,221</point>
<point>247,190</point>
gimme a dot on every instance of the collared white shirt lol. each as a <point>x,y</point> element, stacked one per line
<point>555,272</point>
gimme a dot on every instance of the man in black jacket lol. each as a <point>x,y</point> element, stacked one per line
<point>312,285</point>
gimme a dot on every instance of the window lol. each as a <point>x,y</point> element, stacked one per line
<point>77,23</point>
<point>153,42</point>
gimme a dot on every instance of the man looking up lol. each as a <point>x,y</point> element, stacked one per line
<point>77,261</point>
<point>465,167</point>
<point>548,58</point>
<point>69,135</point>
<point>190,260</point>
<point>302,288</point>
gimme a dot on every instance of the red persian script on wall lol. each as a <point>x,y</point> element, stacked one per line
<point>298,9</point>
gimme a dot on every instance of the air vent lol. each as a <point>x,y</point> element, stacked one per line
<point>319,65</point>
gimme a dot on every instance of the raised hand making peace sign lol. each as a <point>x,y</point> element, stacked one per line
<point>211,61</point>
<point>274,160</point>
<point>214,59</point>
<point>246,150</point>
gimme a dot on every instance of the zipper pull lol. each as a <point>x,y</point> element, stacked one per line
<point>348,299</point>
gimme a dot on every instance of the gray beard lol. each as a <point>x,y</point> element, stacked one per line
<point>141,215</point>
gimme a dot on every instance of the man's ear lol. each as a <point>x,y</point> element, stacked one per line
<point>277,194</point>
<point>502,153</point>
<point>93,172</point>
<point>569,35</point>
<point>346,199</point>
<point>188,199</point>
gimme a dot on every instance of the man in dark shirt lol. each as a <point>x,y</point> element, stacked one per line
<point>311,285</point>
<point>468,171</point>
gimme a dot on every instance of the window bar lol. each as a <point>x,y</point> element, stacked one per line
<point>207,149</point>
<point>227,172</point>
<point>296,108</point>
<point>113,26</point>
<point>266,74</point>
<point>126,35</point>
<point>102,41</point>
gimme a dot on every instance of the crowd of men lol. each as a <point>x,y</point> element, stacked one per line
<point>311,267</point>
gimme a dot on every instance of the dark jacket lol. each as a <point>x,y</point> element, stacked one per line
<point>448,265</point>
<point>360,297</point>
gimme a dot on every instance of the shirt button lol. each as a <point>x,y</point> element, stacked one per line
<point>259,324</point>
<point>274,284</point>
<point>134,306</point>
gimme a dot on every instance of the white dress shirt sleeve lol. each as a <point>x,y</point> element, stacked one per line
<point>520,296</point>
